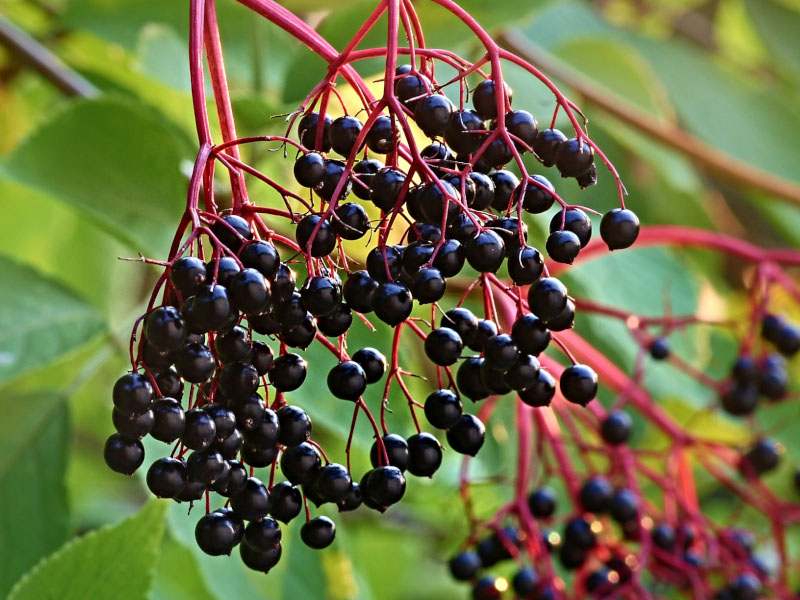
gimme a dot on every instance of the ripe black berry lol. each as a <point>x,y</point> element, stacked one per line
<point>234,345</point>
<point>224,420</point>
<point>443,409</point>
<point>220,271</point>
<point>252,503</point>
<point>205,466</point>
<point>578,384</point>
<point>347,380</point>
<point>525,265</point>
<point>309,169</point>
<point>333,483</point>
<point>133,394</point>
<point>424,454</point>
<point>321,295</point>
<point>484,99</point>
<point>396,450</point>
<point>579,533</point>
<point>133,427</point>
<point>574,220</point>
<point>546,145</point>
<point>488,588</point>
<point>623,506</point>
<point>381,136</point>
<point>386,187</point>
<point>432,114</point>
<point>260,561</point>
<point>619,228</point>
<point>410,87</point>
<point>199,431</point>
<point>438,202</point>
<point>542,502</point>
<point>393,302</point>
<point>262,357</point>
<point>217,534</point>
<point>238,380</point>
<point>169,420</point>
<point>318,533</point>
<point>288,372</point>
<point>336,323</point>
<point>164,328</point>
<point>523,374</point>
<point>443,346</point>
<point>249,411</point>
<point>123,455</point>
<point>458,133</point>
<point>616,428</point>
<point>384,263</point>
<point>232,231</point>
<point>508,228</point>
<point>498,153</point>
<point>324,239</point>
<point>500,352</point>
<point>307,132</point>
<point>195,363</point>
<point>547,297</point>
<point>467,436</point>
<point>261,256</point>
<point>465,565</point>
<point>295,425</point>
<point>485,252</point>
<point>286,502</point>
<point>470,381</point>
<point>659,348</point>
<point>384,486</point>
<point>563,246</point>
<point>762,457</point>
<point>522,124</point>
<point>595,495</point>
<point>364,171</point>
<point>233,481</point>
<point>187,274</point>
<point>351,221</point>
<point>334,178</point>
<point>373,363</point>
<point>564,320</point>
<point>428,285</point>
<point>211,308</point>
<point>263,535</point>
<point>574,158</point>
<point>343,134</point>
<point>530,334</point>
<point>540,392</point>
<point>505,185</point>
<point>525,582</point>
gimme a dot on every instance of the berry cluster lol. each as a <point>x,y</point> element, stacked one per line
<point>443,218</point>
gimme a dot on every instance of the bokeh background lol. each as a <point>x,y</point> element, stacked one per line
<point>695,101</point>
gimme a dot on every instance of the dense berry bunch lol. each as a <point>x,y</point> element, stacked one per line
<point>219,362</point>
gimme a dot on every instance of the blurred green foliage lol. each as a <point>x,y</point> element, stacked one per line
<point>85,181</point>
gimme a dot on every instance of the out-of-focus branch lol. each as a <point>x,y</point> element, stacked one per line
<point>44,61</point>
<point>702,154</point>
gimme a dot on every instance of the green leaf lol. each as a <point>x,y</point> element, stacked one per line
<point>40,320</point>
<point>116,161</point>
<point>779,27</point>
<point>178,576</point>
<point>33,456</point>
<point>112,562</point>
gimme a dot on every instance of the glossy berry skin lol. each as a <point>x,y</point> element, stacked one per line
<point>252,503</point>
<point>525,582</point>
<point>217,534</point>
<point>542,502</point>
<point>205,466</point>
<point>410,87</point>
<point>261,256</point>
<point>234,345</point>
<point>563,246</point>
<point>249,291</point>
<point>539,195</point>
<point>619,228</point>
<point>359,291</point>
<point>262,357</point>
<point>263,535</point>
<point>351,221</point>
<point>169,420</point>
<point>462,321</point>
<point>579,533</point>
<point>324,240</point>
<point>347,380</point>
<point>525,265</point>
<point>469,380</point>
<point>133,394</point>
<point>164,328</point>
<point>464,565</point>
<point>467,436</point>
<point>432,114</point>
<point>384,486</point>
<point>249,410</point>
<point>443,346</point>
<point>564,320</point>
<point>574,220</point>
<point>318,533</point>
<point>384,263</point>
<point>321,295</point>
<point>595,495</point>
<point>393,302</point>
<point>224,420</point>
<point>232,231</point>
<point>508,228</point>
<point>195,363</point>
<point>522,124</point>
<point>123,455</point>
<point>372,362</point>
<point>295,425</point>
<point>458,134</point>
<point>260,561</point>
<point>381,136</point>
<point>578,384</point>
<point>574,158</point>
<point>530,334</point>
<point>286,502</point>
<point>484,99</point>
<point>494,381</point>
<point>307,131</point>
<point>424,455</point>
<point>623,506</point>
<point>443,409</point>
<point>498,154</point>
<point>386,187</point>
<point>212,308</point>
<point>288,372</point>
<point>309,169</point>
<point>659,348</point>
<point>616,428</point>
<point>483,195</point>
<point>223,269</point>
<point>238,380</point>
<point>343,134</point>
<point>540,392</point>
<point>191,492</point>
<point>546,145</point>
<point>523,374</point>
<point>761,458</point>
<point>169,383</point>
<point>396,450</point>
<point>334,173</point>
<point>364,171</point>
<point>500,352</point>
<point>505,185</point>
<point>199,431</point>
<point>232,483</point>
<point>336,323</point>
<point>547,297</point>
<point>187,274</point>
<point>133,427</point>
<point>438,157</point>
<point>437,202</point>
<point>333,483</point>
<point>485,252</point>
<point>428,285</point>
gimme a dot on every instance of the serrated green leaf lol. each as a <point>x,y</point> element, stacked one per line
<point>33,456</point>
<point>40,320</point>
<point>112,562</point>
<point>116,161</point>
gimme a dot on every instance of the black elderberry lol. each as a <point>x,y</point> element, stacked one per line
<point>283,283</point>
<point>301,335</point>
<point>564,320</point>
<point>494,381</point>
<point>508,228</point>
<point>578,384</point>
<point>623,506</point>
<point>525,265</point>
<point>386,187</point>
<point>234,345</point>
<point>192,491</point>
<point>619,228</point>
<point>249,411</point>
<point>123,455</point>
<point>505,185</point>
<point>484,191</point>
<point>423,232</point>
<point>195,363</point>
<point>761,458</point>
<point>523,374</point>
<point>223,269</point>
<point>260,561</point>
<point>438,157</point>
<point>164,328</point>
<point>424,454</point>
<point>156,360</point>
<point>540,392</point>
<point>352,500</point>
<point>199,431</point>
<point>288,372</point>
<point>547,144</point>
<point>530,334</point>
<point>291,312</point>
<point>187,274</point>
<point>462,228</point>
<point>211,308</point>
<point>521,124</point>
<point>351,222</point>
<point>579,533</point>
<point>336,323</point>
<point>321,295</point>
<point>467,436</point>
<point>286,502</point>
<point>470,381</point>
<point>488,588</point>
<point>438,202</point>
<point>542,502</point>
<point>133,394</point>
<point>263,535</point>
<point>410,87</point>
<point>415,255</point>
<point>262,358</point>
<point>788,340</point>
<point>659,348</point>
<point>373,363</point>
<point>347,380</point>
<point>335,177</point>
<point>443,346</point>
<point>450,258</point>
<point>498,153</point>
<point>235,480</point>
<point>432,114</point>
<point>384,263</point>
<point>205,466</point>
<point>252,503</point>
<point>485,252</point>
<point>309,169</point>
<point>267,323</point>
<point>574,158</point>
<point>663,536</point>
<point>384,486</point>
<point>231,446</point>
<point>572,556</point>
<point>563,246</point>
<point>458,133</point>
<point>525,582</point>
<point>462,321</point>
<point>539,195</point>
<point>333,483</point>
<point>216,534</point>
<point>343,134</point>
<point>224,420</point>
<point>616,428</point>
<point>500,352</point>
<point>324,239</point>
<point>465,565</point>
<point>740,399</point>
<point>484,99</point>
<point>745,587</point>
<point>133,427</point>
<point>574,220</point>
<point>443,409</point>
<point>307,132</point>
<point>232,231</point>
<point>393,302</point>
<point>267,432</point>
<point>595,494</point>
<point>364,171</point>
<point>381,136</point>
<point>547,297</point>
<point>238,380</point>
<point>396,451</point>
<point>318,533</point>
<point>169,420</point>
<point>261,256</point>
<point>295,425</point>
